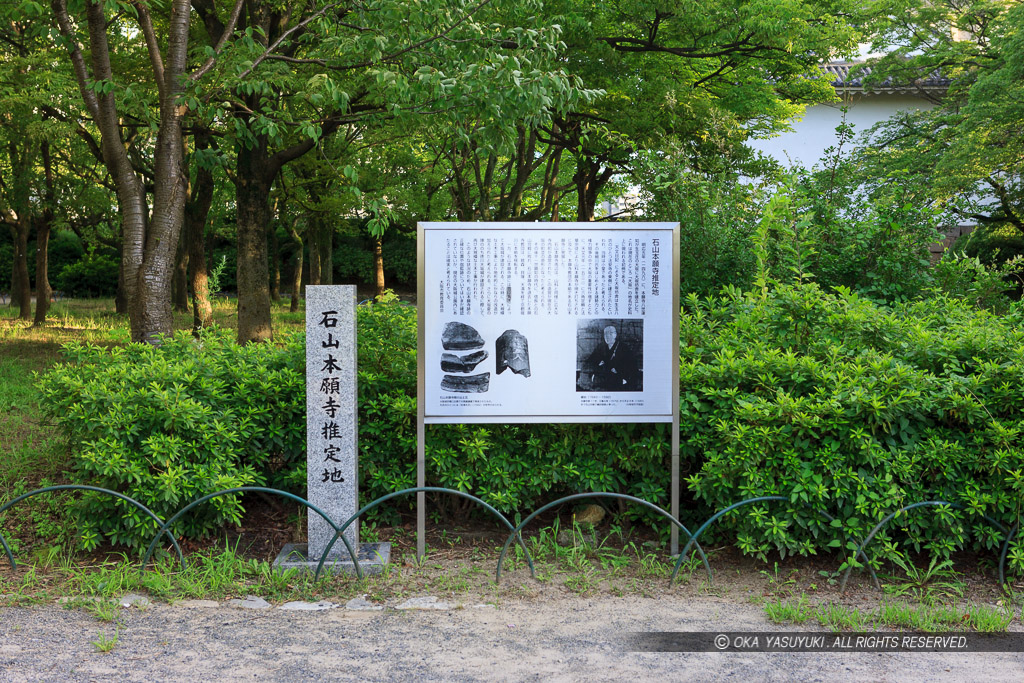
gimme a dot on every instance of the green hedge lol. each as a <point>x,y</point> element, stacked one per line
<point>856,409</point>
<point>168,425</point>
<point>95,275</point>
<point>829,399</point>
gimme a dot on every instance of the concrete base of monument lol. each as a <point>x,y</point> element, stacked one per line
<point>372,558</point>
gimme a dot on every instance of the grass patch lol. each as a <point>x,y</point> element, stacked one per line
<point>903,615</point>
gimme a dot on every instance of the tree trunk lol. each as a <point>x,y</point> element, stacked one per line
<point>179,283</point>
<point>147,255</point>
<point>252,188</point>
<point>14,284</point>
<point>313,239</point>
<point>378,262</point>
<point>150,311</point>
<point>297,273</point>
<point>43,289</point>
<point>42,276</point>
<point>584,194</point>
<point>121,298</point>
<point>326,254</point>
<point>196,212</point>
<point>16,215</point>
<point>589,179</point>
<point>21,289</point>
<point>275,266</point>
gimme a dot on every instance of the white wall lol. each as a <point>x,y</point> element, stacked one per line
<point>816,131</point>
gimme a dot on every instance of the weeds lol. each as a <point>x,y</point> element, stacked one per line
<point>938,580</point>
<point>781,612</point>
<point>104,610</point>
<point>104,643</point>
<point>837,617</point>
<point>900,614</point>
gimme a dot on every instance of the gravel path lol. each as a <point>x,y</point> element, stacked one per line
<point>566,639</point>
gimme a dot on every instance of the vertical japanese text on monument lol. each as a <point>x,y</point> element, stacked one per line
<point>605,275</point>
<point>330,388</point>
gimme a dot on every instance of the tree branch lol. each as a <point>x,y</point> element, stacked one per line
<point>152,46</point>
<point>60,11</point>
<point>225,33</point>
<point>281,38</point>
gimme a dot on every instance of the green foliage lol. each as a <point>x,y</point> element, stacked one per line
<point>830,399</point>
<point>875,244</point>
<point>993,245</point>
<point>967,278</point>
<point>6,256</point>
<point>400,257</point>
<point>818,225</point>
<point>964,154</point>
<point>95,275</point>
<point>717,215</point>
<point>223,270</point>
<point>166,425</point>
<point>353,258</point>
<point>216,274</point>
<point>843,405</point>
<point>65,248</point>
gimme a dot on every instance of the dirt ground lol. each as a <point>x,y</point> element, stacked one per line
<point>569,638</point>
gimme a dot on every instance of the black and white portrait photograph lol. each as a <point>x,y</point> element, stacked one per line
<point>609,354</point>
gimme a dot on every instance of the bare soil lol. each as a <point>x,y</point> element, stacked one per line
<point>563,639</point>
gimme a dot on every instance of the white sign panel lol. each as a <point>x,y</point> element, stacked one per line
<point>531,322</point>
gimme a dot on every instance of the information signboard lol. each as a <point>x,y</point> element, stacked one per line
<point>552,322</point>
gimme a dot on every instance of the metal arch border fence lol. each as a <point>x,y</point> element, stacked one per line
<point>579,496</point>
<point>245,489</point>
<point>931,503</point>
<point>83,487</point>
<point>515,532</point>
<point>425,489</point>
<point>760,499</point>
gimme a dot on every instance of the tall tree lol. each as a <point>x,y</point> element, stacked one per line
<point>197,209</point>
<point>697,76</point>
<point>303,72</point>
<point>149,231</point>
<point>694,72</point>
<point>44,223</point>
<point>965,155</point>
<point>29,98</point>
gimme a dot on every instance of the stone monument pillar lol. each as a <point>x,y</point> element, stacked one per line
<point>332,458</point>
<point>332,454</point>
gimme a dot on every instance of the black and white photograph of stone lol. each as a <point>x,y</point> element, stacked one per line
<point>451,362</point>
<point>467,384</point>
<point>512,352</point>
<point>460,337</point>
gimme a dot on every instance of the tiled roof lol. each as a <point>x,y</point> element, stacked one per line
<point>840,72</point>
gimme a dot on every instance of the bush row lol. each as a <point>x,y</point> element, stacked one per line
<point>829,399</point>
<point>857,409</point>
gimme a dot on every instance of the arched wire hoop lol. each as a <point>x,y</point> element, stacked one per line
<point>243,489</point>
<point>426,489</point>
<point>578,496</point>
<point>890,516</point>
<point>82,487</point>
<point>748,501</point>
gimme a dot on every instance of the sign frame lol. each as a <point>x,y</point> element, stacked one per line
<point>422,419</point>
